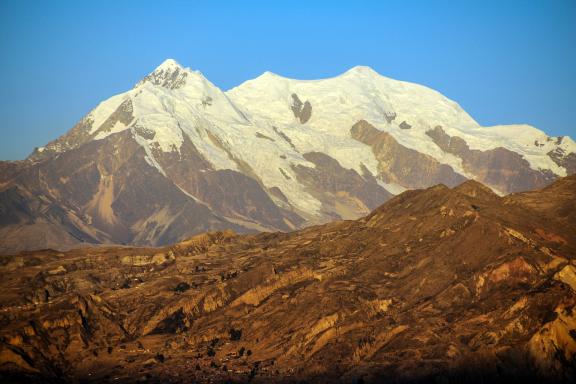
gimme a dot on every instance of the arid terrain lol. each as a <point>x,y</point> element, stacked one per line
<point>436,285</point>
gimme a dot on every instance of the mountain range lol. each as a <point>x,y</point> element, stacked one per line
<point>175,156</point>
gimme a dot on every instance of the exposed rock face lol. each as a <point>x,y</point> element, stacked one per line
<point>398,164</point>
<point>78,134</point>
<point>390,116</point>
<point>169,75</point>
<point>404,125</point>
<point>436,285</point>
<point>344,192</point>
<point>88,196</point>
<point>82,132</point>
<point>302,111</point>
<point>554,342</point>
<point>232,194</point>
<point>563,159</point>
<point>227,192</point>
<point>501,168</point>
<point>122,115</point>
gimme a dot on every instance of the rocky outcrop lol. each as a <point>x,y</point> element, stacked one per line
<point>78,134</point>
<point>82,132</point>
<point>302,110</point>
<point>563,159</point>
<point>401,165</point>
<point>555,344</point>
<point>500,168</point>
<point>258,294</point>
<point>168,75</point>
<point>343,192</point>
<point>404,125</point>
<point>227,192</point>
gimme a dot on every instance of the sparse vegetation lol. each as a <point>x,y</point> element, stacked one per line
<point>235,334</point>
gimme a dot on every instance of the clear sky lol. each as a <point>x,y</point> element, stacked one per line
<point>503,61</point>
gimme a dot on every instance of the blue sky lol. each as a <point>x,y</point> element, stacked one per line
<point>503,61</point>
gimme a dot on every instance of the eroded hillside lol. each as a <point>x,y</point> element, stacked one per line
<point>440,284</point>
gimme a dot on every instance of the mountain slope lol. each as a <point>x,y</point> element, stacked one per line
<point>436,285</point>
<point>273,154</point>
<point>555,201</point>
<point>90,196</point>
<point>407,112</point>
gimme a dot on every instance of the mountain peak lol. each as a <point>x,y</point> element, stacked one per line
<point>268,75</point>
<point>169,74</point>
<point>474,188</point>
<point>168,65</point>
<point>361,70</point>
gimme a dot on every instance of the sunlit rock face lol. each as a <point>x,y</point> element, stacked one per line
<point>501,168</point>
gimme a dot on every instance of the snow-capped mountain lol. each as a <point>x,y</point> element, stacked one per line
<point>176,155</point>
